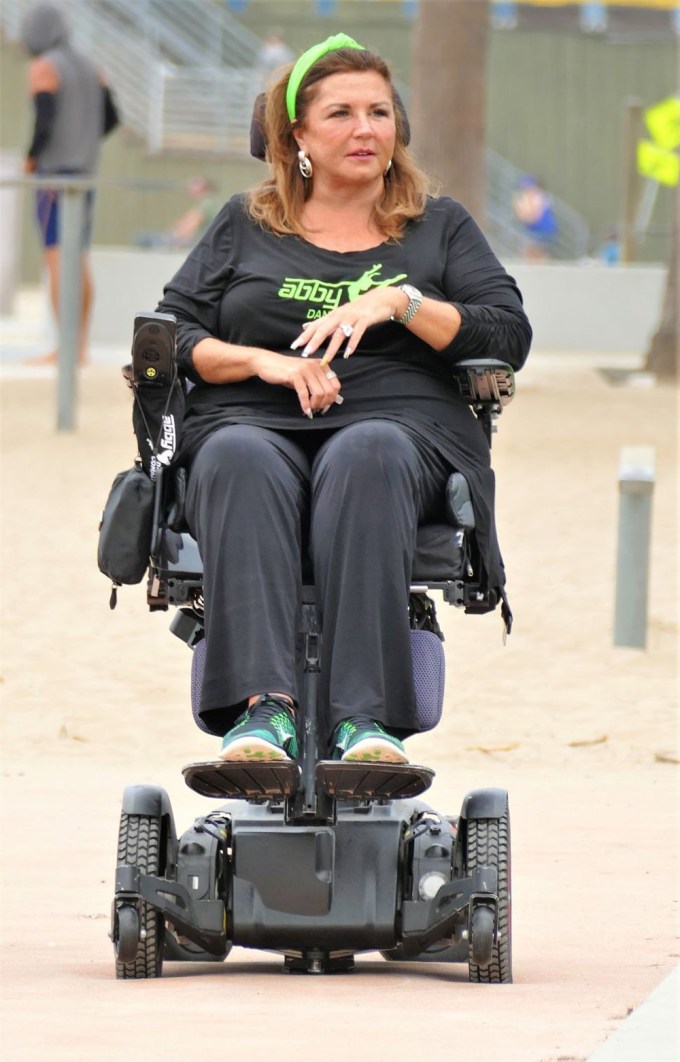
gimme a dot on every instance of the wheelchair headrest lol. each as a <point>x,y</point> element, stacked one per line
<point>258,145</point>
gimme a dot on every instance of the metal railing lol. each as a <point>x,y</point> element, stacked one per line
<point>196,33</point>
<point>204,110</point>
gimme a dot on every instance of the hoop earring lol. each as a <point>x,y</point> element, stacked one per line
<point>387,169</point>
<point>305,165</point>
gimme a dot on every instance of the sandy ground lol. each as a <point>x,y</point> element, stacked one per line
<point>581,733</point>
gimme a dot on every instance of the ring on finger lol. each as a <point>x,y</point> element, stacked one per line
<point>331,375</point>
<point>346,329</point>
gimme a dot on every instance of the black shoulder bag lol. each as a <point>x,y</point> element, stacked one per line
<point>133,506</point>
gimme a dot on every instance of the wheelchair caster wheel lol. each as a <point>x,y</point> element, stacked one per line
<point>126,934</point>
<point>481,936</point>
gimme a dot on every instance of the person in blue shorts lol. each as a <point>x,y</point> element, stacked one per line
<point>74,109</point>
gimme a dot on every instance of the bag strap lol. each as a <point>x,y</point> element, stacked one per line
<point>135,391</point>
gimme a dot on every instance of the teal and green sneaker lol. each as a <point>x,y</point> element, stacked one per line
<point>265,732</point>
<point>361,739</point>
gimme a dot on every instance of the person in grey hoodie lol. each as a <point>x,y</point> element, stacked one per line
<point>74,109</point>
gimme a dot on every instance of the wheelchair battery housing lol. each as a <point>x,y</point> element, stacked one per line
<point>333,887</point>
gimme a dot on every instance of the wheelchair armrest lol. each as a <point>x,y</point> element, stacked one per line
<point>486,382</point>
<point>487,385</point>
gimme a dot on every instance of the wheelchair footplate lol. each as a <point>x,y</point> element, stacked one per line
<point>243,779</point>
<point>372,781</point>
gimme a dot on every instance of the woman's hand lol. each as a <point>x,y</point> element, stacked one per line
<point>316,385</point>
<point>349,322</point>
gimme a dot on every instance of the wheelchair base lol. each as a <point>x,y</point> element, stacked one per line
<point>276,781</point>
<point>386,875</point>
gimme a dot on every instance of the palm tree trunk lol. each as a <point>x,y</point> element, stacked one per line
<point>663,356</point>
<point>448,104</point>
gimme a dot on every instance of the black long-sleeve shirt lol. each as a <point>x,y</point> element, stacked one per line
<point>245,285</point>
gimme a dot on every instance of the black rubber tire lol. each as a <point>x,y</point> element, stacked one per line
<point>488,844</point>
<point>481,936</point>
<point>127,934</point>
<point>139,845</point>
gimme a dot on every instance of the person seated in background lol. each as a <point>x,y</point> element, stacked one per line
<point>533,207</point>
<point>189,228</point>
<point>319,318</point>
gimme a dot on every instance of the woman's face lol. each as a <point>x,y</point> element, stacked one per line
<point>349,129</point>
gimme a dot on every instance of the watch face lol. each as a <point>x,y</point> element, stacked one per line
<point>409,290</point>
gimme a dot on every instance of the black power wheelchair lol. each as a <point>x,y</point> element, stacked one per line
<point>317,860</point>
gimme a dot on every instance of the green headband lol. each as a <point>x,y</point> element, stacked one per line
<point>307,59</point>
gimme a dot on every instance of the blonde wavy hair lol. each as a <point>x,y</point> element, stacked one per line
<point>276,203</point>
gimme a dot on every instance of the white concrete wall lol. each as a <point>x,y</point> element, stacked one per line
<point>591,307</point>
<point>572,307</point>
<point>127,282</point>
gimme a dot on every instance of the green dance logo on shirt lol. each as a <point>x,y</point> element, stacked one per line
<point>325,297</point>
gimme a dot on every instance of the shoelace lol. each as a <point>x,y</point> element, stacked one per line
<point>268,707</point>
<point>358,722</point>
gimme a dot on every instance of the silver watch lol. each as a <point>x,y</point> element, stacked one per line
<point>414,300</point>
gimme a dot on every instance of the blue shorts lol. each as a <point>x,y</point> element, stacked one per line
<point>47,212</point>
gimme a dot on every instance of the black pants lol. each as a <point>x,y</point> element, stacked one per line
<point>257,498</point>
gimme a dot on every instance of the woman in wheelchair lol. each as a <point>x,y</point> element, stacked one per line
<point>318,320</point>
